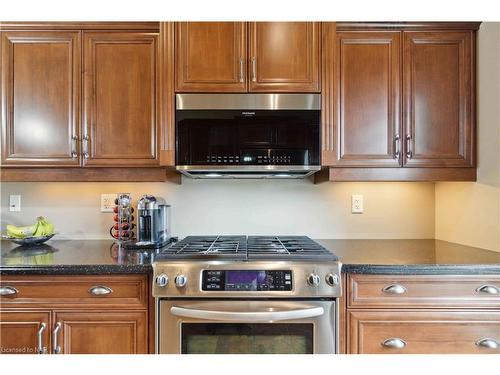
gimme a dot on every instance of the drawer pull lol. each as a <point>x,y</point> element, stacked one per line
<point>100,290</point>
<point>488,343</point>
<point>488,289</point>
<point>394,343</point>
<point>41,349</point>
<point>394,289</point>
<point>8,291</point>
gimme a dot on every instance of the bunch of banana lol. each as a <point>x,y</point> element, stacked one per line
<point>41,228</point>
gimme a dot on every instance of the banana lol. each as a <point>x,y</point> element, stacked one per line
<point>41,228</point>
<point>22,232</point>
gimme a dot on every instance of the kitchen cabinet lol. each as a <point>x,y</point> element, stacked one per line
<point>24,332</point>
<point>438,86</point>
<point>211,56</point>
<point>284,56</point>
<point>108,314</point>
<point>399,101</point>
<point>247,57</point>
<point>423,314</point>
<point>367,97</point>
<point>40,96</point>
<point>120,127</point>
<point>102,332</point>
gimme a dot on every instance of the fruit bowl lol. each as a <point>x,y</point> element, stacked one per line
<point>28,241</point>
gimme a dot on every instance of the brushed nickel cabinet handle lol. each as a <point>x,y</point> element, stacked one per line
<point>254,69</point>
<point>100,290</point>
<point>241,70</point>
<point>394,289</point>
<point>55,334</point>
<point>8,291</point>
<point>85,141</point>
<point>409,153</point>
<point>488,289</point>
<point>41,349</point>
<point>394,343</point>
<point>488,343</point>
<point>74,139</point>
<point>397,151</point>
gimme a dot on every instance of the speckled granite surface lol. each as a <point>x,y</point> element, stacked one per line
<point>357,256</point>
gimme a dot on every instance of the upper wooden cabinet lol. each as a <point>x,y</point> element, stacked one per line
<point>120,99</point>
<point>367,98</point>
<point>211,56</point>
<point>40,96</point>
<point>284,56</point>
<point>438,98</point>
<point>219,57</point>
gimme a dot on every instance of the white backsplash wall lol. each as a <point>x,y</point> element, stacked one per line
<point>295,207</point>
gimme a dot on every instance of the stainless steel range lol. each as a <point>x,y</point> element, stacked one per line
<point>238,294</point>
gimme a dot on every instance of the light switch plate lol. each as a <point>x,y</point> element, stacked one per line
<point>14,203</point>
<point>108,202</point>
<point>357,204</point>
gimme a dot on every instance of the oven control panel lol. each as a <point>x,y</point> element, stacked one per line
<point>246,280</point>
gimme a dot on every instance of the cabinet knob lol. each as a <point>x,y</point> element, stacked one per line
<point>488,343</point>
<point>488,289</point>
<point>394,289</point>
<point>8,291</point>
<point>394,343</point>
<point>100,290</point>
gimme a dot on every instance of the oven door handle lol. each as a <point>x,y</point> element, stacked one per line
<point>250,317</point>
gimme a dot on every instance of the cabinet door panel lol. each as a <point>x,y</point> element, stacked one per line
<point>19,331</point>
<point>103,332</point>
<point>438,89</point>
<point>368,98</point>
<point>422,332</point>
<point>120,99</point>
<point>40,95</point>
<point>211,56</point>
<point>284,56</point>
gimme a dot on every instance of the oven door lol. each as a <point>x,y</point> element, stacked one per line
<point>246,327</point>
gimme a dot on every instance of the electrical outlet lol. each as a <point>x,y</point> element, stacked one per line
<point>357,204</point>
<point>14,203</point>
<point>108,202</point>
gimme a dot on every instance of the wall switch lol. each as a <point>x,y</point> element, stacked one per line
<point>357,204</point>
<point>14,203</point>
<point>108,202</point>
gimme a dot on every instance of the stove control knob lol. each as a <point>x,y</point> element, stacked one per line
<point>180,281</point>
<point>313,279</point>
<point>161,280</point>
<point>332,279</point>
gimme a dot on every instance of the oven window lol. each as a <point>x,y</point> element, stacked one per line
<point>242,338</point>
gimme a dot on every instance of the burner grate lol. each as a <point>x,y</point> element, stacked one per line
<point>207,246</point>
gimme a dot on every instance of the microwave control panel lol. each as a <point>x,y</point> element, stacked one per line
<point>246,280</point>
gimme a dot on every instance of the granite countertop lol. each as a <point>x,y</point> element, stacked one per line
<point>357,256</point>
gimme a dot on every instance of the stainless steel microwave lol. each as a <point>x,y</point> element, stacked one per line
<point>248,135</point>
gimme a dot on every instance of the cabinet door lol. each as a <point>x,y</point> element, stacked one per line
<point>284,56</point>
<point>367,97</point>
<point>211,56</point>
<point>40,95</point>
<point>102,332</point>
<point>24,332</point>
<point>120,99</point>
<point>424,332</point>
<point>438,84</point>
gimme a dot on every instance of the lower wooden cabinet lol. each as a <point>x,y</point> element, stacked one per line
<point>101,332</point>
<point>24,332</point>
<point>424,332</point>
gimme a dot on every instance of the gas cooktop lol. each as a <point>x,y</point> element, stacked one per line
<point>247,248</point>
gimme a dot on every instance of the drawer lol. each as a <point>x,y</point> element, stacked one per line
<point>422,291</point>
<point>424,332</point>
<point>84,291</point>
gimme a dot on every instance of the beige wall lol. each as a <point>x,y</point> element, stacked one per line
<point>469,213</point>
<point>392,210</point>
